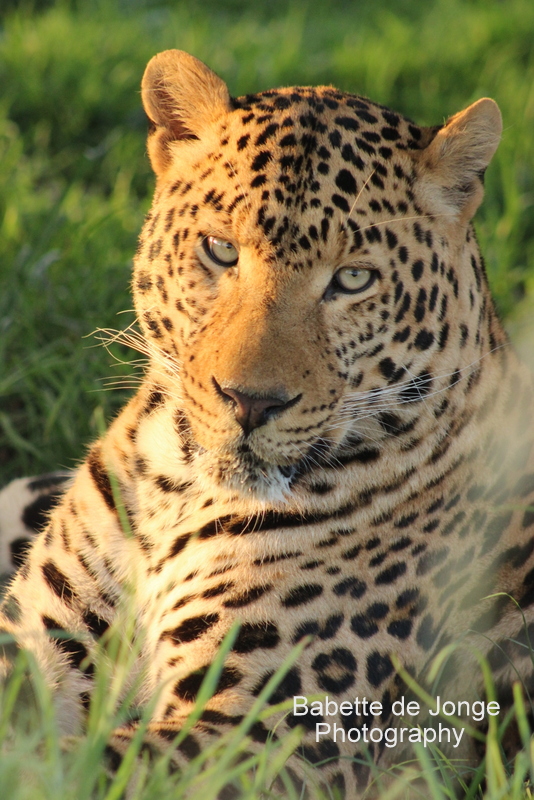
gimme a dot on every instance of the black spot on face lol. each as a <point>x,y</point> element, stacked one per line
<point>424,339</point>
<point>349,123</point>
<point>345,181</point>
<point>341,203</point>
<point>260,160</point>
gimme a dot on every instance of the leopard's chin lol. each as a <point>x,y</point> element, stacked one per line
<point>237,470</point>
<point>237,477</point>
<point>241,473</point>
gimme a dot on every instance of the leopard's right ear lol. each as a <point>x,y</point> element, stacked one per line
<point>451,167</point>
<point>181,96</point>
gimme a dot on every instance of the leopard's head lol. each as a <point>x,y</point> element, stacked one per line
<point>308,272</point>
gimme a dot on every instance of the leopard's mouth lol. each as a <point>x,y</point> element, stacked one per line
<point>240,470</point>
<point>237,467</point>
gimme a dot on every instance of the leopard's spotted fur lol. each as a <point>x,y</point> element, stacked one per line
<point>355,466</point>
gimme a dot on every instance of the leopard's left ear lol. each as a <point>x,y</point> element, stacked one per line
<point>181,97</point>
<point>451,169</point>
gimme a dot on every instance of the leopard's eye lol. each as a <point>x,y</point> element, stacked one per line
<point>354,279</point>
<point>220,251</point>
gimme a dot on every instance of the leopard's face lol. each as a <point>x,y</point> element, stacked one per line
<point>302,278</point>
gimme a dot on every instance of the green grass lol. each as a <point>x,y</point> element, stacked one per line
<point>36,763</point>
<point>75,184</point>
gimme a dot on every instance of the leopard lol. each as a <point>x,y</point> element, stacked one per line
<point>331,447</point>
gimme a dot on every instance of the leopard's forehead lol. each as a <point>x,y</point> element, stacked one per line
<point>295,167</point>
<point>325,111</point>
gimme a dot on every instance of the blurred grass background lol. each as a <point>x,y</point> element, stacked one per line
<point>75,181</point>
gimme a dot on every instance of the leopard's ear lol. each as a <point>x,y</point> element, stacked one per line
<point>181,96</point>
<point>451,168</point>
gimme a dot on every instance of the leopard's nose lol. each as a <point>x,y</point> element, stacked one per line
<point>252,409</point>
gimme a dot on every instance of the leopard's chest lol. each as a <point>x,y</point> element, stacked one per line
<point>346,588</point>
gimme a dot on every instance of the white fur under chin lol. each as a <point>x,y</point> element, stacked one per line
<point>266,486</point>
